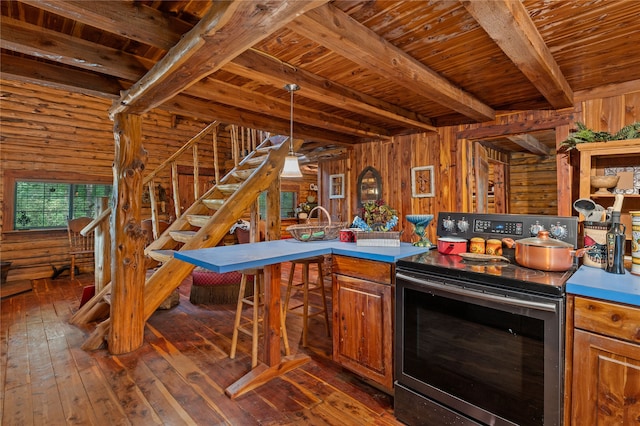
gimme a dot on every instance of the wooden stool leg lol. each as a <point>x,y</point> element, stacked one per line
<point>305,305</point>
<point>283,330</point>
<point>236,325</point>
<point>324,298</point>
<point>289,286</point>
<point>73,265</point>
<point>257,296</point>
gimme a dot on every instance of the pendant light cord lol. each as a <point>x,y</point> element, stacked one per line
<point>291,126</point>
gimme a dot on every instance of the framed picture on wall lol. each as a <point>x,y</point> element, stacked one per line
<point>336,186</point>
<point>422,184</point>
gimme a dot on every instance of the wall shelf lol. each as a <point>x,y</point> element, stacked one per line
<point>595,157</point>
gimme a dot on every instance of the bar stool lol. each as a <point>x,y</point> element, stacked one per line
<point>256,301</point>
<point>308,310</point>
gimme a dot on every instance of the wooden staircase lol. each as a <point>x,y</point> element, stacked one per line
<point>229,200</point>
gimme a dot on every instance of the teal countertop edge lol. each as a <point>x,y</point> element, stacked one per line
<point>598,283</point>
<point>244,256</point>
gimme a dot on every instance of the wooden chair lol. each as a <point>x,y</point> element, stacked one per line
<point>79,245</point>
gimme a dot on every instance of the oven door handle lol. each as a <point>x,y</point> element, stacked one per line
<point>549,307</point>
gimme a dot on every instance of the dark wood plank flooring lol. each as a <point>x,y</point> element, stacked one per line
<point>177,377</point>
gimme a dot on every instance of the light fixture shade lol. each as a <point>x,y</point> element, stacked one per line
<point>291,167</point>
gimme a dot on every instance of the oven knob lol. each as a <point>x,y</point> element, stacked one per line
<point>463,225</point>
<point>534,229</point>
<point>559,232</point>
<point>448,224</point>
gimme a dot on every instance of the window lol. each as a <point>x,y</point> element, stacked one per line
<point>40,205</point>
<point>288,204</point>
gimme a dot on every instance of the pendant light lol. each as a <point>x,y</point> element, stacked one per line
<point>291,167</point>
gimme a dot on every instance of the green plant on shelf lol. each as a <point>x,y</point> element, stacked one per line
<point>586,135</point>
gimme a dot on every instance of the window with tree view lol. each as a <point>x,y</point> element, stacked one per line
<point>287,204</point>
<point>46,205</point>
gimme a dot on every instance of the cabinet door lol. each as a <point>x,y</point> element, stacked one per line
<point>606,381</point>
<point>362,328</point>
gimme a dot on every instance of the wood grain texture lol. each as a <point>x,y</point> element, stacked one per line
<point>177,377</point>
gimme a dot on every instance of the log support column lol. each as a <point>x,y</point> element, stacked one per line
<point>128,272</point>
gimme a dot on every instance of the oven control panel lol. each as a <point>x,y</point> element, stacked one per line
<point>469,225</point>
<point>498,227</point>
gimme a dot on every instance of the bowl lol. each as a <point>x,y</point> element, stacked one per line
<point>604,182</point>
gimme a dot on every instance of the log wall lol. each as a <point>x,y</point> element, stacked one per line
<point>47,134</point>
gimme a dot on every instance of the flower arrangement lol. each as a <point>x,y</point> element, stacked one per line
<point>376,216</point>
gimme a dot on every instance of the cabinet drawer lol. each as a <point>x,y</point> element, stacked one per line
<point>370,270</point>
<point>611,319</point>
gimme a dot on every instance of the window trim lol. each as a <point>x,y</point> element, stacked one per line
<point>12,176</point>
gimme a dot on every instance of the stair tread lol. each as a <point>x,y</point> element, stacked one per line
<point>228,187</point>
<point>161,255</point>
<point>213,204</point>
<point>182,236</point>
<point>243,173</point>
<point>198,220</point>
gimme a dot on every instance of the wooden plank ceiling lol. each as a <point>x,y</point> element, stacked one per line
<point>367,69</point>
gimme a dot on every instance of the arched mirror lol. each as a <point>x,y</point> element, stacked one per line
<point>369,185</point>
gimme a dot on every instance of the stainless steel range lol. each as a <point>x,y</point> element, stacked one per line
<point>481,343</point>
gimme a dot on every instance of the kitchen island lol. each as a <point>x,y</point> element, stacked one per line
<point>602,348</point>
<point>269,255</point>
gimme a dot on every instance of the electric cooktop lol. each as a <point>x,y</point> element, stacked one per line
<point>497,273</point>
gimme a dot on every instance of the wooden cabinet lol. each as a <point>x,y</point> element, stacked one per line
<point>605,369</point>
<point>363,318</point>
<point>598,156</point>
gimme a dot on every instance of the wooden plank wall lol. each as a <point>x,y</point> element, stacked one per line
<point>50,133</point>
<point>534,184</point>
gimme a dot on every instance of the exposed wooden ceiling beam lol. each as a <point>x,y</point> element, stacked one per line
<point>509,25</point>
<point>329,26</point>
<point>49,75</point>
<point>530,143</point>
<point>38,42</point>
<point>143,24</point>
<point>240,97</point>
<point>192,58</point>
<point>207,110</point>
<point>254,65</point>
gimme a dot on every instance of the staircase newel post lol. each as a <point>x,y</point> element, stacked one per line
<point>128,272</point>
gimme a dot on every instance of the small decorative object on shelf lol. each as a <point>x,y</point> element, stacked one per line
<point>604,183</point>
<point>377,220</point>
<point>420,223</point>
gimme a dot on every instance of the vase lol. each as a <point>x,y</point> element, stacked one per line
<point>420,223</point>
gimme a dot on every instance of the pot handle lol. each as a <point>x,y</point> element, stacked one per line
<point>509,242</point>
<point>580,252</point>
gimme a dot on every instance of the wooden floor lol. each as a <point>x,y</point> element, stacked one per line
<point>178,377</point>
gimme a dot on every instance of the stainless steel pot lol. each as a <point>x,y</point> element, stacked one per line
<point>544,253</point>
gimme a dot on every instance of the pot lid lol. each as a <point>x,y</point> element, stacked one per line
<point>543,240</point>
<point>452,240</point>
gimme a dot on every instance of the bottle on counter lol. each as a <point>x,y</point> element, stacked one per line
<point>615,245</point>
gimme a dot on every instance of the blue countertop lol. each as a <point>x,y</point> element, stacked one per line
<point>244,256</point>
<point>598,283</point>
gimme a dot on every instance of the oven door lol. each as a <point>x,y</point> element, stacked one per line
<point>471,354</point>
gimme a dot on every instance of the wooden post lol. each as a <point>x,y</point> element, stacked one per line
<point>216,168</point>
<point>128,272</point>
<point>102,256</point>
<point>176,189</point>
<point>196,173</point>
<point>154,208</point>
<point>273,211</point>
